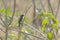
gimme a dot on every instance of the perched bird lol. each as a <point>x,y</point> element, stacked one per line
<point>21,19</point>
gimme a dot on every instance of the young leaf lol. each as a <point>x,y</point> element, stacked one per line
<point>26,19</point>
<point>45,13</point>
<point>57,27</point>
<point>53,25</point>
<point>45,21</point>
<point>2,10</point>
<point>13,35</point>
<point>50,35</point>
<point>56,22</point>
<point>43,28</point>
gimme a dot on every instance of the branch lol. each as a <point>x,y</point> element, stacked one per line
<point>50,7</point>
<point>42,5</point>
<point>1,38</point>
<point>2,25</point>
<point>4,3</point>
<point>57,8</point>
<point>34,12</point>
<point>35,29</point>
<point>31,35</point>
<point>3,21</point>
<point>28,9</point>
<point>2,30</point>
<point>34,8</point>
<point>13,13</point>
<point>26,33</point>
<point>54,34</point>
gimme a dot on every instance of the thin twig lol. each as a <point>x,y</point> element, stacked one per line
<point>26,33</point>
<point>31,35</point>
<point>2,25</point>
<point>4,3</point>
<point>3,21</point>
<point>42,6</point>
<point>1,38</point>
<point>34,8</point>
<point>2,30</point>
<point>13,12</point>
<point>35,30</point>
<point>28,9</point>
<point>54,34</point>
<point>50,7</point>
<point>34,11</point>
<point>57,8</point>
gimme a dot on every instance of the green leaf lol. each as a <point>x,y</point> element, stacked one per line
<point>57,28</point>
<point>8,11</point>
<point>43,28</point>
<point>13,35</point>
<point>26,19</point>
<point>53,25</point>
<point>5,11</point>
<point>56,22</point>
<point>45,13</point>
<point>2,10</point>
<point>30,30</point>
<point>45,21</point>
<point>41,13</point>
<point>50,35</point>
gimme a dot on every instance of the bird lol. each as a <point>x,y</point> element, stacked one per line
<point>21,19</point>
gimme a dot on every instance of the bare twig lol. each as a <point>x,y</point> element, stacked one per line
<point>54,34</point>
<point>2,21</point>
<point>57,8</point>
<point>31,35</point>
<point>13,12</point>
<point>4,3</point>
<point>1,24</point>
<point>34,8</point>
<point>42,5</point>
<point>29,38</point>
<point>6,34</point>
<point>2,30</point>
<point>26,33</point>
<point>50,7</point>
<point>34,11</point>
<point>35,30</point>
<point>1,38</point>
<point>28,9</point>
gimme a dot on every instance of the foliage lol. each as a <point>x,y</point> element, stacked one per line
<point>26,19</point>
<point>13,35</point>
<point>50,35</point>
<point>49,19</point>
